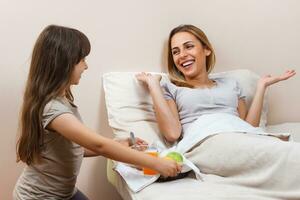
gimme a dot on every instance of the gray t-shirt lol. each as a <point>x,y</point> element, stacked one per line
<point>194,102</point>
<point>55,177</point>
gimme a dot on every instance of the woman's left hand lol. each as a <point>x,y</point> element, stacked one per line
<point>268,80</point>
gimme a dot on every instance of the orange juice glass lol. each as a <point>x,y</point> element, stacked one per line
<point>148,171</point>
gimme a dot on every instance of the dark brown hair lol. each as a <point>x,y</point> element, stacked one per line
<point>175,75</point>
<point>57,50</point>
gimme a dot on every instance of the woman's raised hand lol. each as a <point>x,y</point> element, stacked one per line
<point>268,80</point>
<point>148,78</point>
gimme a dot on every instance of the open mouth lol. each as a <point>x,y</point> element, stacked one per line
<point>187,64</point>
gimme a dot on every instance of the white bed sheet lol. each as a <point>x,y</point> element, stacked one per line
<point>191,189</point>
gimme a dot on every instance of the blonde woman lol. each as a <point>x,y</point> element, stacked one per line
<point>192,95</point>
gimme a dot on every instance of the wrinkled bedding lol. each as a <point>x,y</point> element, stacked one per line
<point>226,179</point>
<point>267,165</point>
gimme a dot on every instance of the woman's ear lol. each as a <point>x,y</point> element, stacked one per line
<point>207,52</point>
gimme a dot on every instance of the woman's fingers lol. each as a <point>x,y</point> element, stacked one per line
<point>142,77</point>
<point>288,74</point>
<point>269,79</point>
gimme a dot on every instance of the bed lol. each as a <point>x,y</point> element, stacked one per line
<point>130,108</point>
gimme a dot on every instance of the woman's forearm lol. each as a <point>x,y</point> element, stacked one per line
<point>168,122</point>
<point>254,113</point>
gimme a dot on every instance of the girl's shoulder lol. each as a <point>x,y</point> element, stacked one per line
<point>57,104</point>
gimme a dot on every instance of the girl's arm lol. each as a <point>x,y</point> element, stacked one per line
<point>89,153</point>
<point>71,128</point>
<point>254,113</point>
<point>165,110</point>
<point>141,145</point>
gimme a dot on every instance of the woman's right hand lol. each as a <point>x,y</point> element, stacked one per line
<point>148,78</point>
<point>168,167</point>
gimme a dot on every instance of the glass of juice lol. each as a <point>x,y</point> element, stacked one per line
<point>148,171</point>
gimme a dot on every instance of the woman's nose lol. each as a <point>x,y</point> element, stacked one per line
<point>182,54</point>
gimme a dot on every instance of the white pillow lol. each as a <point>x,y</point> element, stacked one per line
<point>130,107</point>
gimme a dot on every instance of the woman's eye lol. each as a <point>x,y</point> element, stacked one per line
<point>189,46</point>
<point>175,52</point>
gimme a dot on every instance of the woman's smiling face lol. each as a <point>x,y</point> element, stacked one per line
<point>189,55</point>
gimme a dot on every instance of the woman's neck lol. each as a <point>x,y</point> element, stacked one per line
<point>201,81</point>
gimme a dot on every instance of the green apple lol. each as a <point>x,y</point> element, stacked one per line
<point>175,156</point>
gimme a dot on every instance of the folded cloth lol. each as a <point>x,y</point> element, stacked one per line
<point>203,127</point>
<point>134,178</point>
<point>137,180</point>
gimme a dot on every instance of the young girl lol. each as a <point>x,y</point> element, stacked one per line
<point>53,138</point>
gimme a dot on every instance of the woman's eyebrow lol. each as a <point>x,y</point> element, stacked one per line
<point>187,42</point>
<point>183,44</point>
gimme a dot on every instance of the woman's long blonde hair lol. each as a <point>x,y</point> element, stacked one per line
<point>175,75</point>
<point>57,50</point>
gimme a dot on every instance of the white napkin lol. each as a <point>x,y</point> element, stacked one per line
<point>136,180</point>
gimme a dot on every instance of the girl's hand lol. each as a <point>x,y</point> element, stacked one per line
<point>140,145</point>
<point>148,78</point>
<point>168,167</point>
<point>268,80</point>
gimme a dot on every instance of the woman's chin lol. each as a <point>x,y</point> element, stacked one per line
<point>190,74</point>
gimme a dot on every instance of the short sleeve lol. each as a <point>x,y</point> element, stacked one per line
<point>52,110</point>
<point>239,90</point>
<point>167,91</point>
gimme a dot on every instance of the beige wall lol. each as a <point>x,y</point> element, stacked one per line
<point>262,35</point>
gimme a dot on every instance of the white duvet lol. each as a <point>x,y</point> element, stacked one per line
<point>203,127</point>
